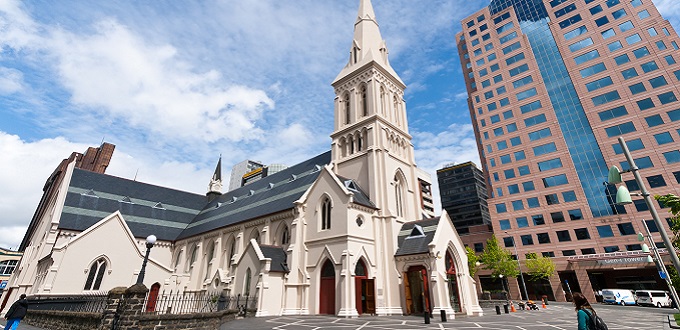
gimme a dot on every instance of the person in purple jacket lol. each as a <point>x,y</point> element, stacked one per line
<point>583,311</point>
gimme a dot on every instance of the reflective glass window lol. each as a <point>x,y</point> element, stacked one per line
<point>522,82</point>
<point>563,236</point>
<point>549,164</point>
<point>527,240</point>
<point>569,21</point>
<point>523,170</point>
<point>517,205</point>
<point>582,233</point>
<point>540,134</point>
<point>557,217</point>
<point>652,32</point>
<point>666,98</point>
<point>629,73</point>
<point>474,42</point>
<point>518,70</point>
<point>526,94</point>
<point>501,90</point>
<point>543,238</point>
<point>620,129</point>
<point>645,104</point>
<point>674,115</point>
<point>545,149</point>
<point>530,106</point>
<point>486,83</point>
<point>621,59</point>
<point>575,32</point>
<point>502,145</point>
<point>497,79</point>
<point>595,10</point>
<point>488,47</point>
<point>636,3</point>
<point>535,120</point>
<point>575,214</point>
<point>656,181</point>
<point>529,186</point>
<point>642,163</point>
<point>633,39</point>
<point>514,59</point>
<point>663,138</point>
<point>519,155</point>
<point>554,3</point>
<point>658,82</point>
<point>591,55</point>
<point>522,222</point>
<point>613,113</point>
<point>633,145</point>
<point>606,98</point>
<point>569,196</point>
<point>591,70</point>
<point>509,173</point>
<point>488,95</point>
<point>612,3</point>
<point>486,37</point>
<point>533,202</point>
<point>491,58</point>
<point>625,26</point>
<point>605,231</point>
<point>565,10</point>
<point>501,208</point>
<point>671,157</point>
<point>556,180</point>
<point>581,44</point>
<point>637,88</point>
<point>512,128</point>
<point>643,14</point>
<point>669,59</point>
<point>619,13</point>
<point>513,189</point>
<point>507,37</point>
<point>660,45</point>
<point>610,249</point>
<point>508,241</point>
<point>501,17</point>
<point>641,52</point>
<point>498,131</point>
<point>495,119</point>
<point>601,21</point>
<point>504,101</point>
<point>654,120</point>
<point>608,33</point>
<point>505,159</point>
<point>538,219</point>
<point>614,46</point>
<point>505,27</point>
<point>600,83</point>
<point>505,224</point>
<point>511,48</point>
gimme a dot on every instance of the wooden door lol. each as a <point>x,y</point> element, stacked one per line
<point>369,293</point>
<point>153,297</point>
<point>359,294</point>
<point>407,294</point>
<point>327,289</point>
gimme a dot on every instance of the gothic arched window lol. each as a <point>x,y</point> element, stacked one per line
<point>208,259</point>
<point>326,214</point>
<point>360,141</point>
<point>364,104</point>
<point>399,195</point>
<point>285,236</point>
<point>246,288</point>
<point>96,275</point>
<point>347,109</point>
<point>350,141</point>
<point>177,260</point>
<point>396,109</point>
<point>382,100</point>
<point>192,258</point>
<point>232,250</point>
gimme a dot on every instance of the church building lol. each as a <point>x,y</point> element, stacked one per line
<point>348,232</point>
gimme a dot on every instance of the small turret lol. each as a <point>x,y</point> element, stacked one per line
<point>215,185</point>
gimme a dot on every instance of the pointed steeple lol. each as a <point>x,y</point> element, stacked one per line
<point>368,44</point>
<point>215,185</point>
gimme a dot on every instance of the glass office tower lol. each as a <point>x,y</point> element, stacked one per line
<point>552,85</point>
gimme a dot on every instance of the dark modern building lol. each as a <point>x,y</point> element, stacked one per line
<point>552,85</point>
<point>462,189</point>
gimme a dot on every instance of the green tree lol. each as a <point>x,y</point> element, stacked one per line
<point>673,202</point>
<point>498,259</point>
<point>472,261</point>
<point>539,267</point>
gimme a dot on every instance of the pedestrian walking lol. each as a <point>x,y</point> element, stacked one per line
<point>16,313</point>
<point>587,318</point>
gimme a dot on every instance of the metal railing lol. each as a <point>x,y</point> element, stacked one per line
<point>94,303</point>
<point>195,302</point>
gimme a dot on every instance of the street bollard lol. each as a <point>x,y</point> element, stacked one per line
<point>546,301</point>
<point>426,315</point>
<point>443,313</point>
<point>498,310</point>
<point>506,309</point>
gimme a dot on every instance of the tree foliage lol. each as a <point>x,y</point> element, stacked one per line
<point>539,267</point>
<point>673,202</point>
<point>472,261</point>
<point>498,259</point>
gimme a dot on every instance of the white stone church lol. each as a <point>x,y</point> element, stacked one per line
<point>348,232</point>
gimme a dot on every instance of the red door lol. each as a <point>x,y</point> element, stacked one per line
<point>153,297</point>
<point>327,289</point>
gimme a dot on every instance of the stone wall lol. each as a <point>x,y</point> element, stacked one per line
<point>63,320</point>
<point>124,312</point>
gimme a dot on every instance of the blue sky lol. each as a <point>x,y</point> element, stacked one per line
<point>174,84</point>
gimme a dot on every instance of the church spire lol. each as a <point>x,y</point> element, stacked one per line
<point>368,44</point>
<point>215,185</point>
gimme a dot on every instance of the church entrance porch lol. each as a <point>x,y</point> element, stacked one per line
<point>417,291</point>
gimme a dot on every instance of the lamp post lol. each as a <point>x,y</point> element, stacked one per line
<point>657,260</point>
<point>519,266</point>
<point>623,197</point>
<point>150,241</point>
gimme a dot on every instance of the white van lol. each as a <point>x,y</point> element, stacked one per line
<point>656,298</point>
<point>618,296</point>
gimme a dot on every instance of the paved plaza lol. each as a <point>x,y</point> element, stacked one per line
<point>559,316</point>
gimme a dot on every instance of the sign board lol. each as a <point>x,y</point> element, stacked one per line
<point>662,275</point>
<point>622,261</point>
<point>3,285</point>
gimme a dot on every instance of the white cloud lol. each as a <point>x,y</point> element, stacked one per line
<point>433,151</point>
<point>11,81</point>
<point>24,168</point>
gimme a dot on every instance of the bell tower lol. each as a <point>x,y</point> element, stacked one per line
<point>371,143</point>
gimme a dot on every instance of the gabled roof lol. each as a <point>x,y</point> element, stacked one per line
<point>414,237</point>
<point>271,194</point>
<point>93,196</point>
<point>278,256</point>
<point>360,197</point>
<point>172,214</point>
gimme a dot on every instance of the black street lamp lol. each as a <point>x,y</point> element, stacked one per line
<point>150,241</point>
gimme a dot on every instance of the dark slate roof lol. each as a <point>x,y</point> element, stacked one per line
<point>416,244</point>
<point>172,214</point>
<point>278,256</point>
<point>360,197</point>
<point>271,194</point>
<point>147,209</point>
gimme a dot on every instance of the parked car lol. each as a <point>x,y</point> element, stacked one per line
<point>656,298</point>
<point>618,296</point>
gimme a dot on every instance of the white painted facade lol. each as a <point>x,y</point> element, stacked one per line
<point>371,145</point>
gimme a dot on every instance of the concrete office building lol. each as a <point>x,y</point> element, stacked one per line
<point>552,85</point>
<point>462,189</point>
<point>239,170</point>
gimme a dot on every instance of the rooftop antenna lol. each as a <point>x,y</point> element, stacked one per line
<point>136,172</point>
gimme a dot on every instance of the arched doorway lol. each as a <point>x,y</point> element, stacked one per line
<point>417,290</point>
<point>452,280</point>
<point>327,289</point>
<point>364,290</point>
<point>153,297</point>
